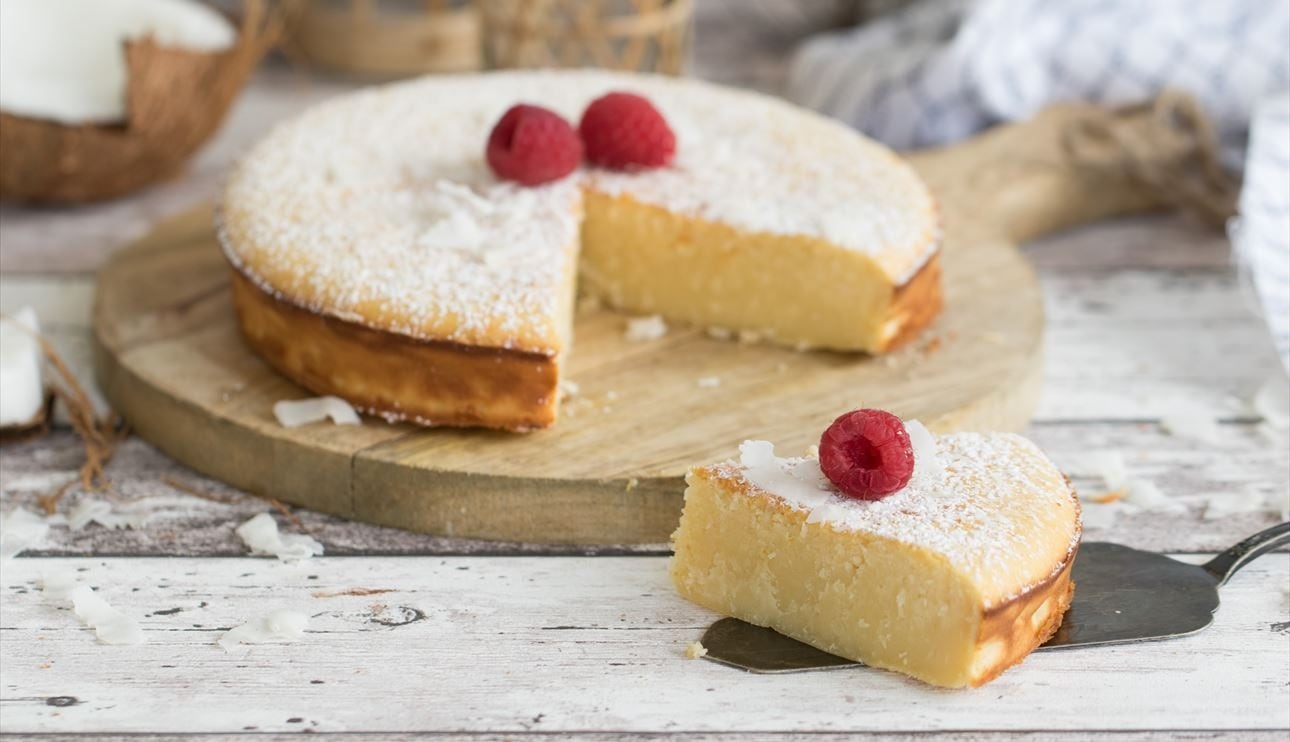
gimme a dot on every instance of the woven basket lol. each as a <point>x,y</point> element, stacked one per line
<point>384,39</point>
<point>636,35</point>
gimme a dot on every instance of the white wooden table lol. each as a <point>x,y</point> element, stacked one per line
<point>510,640</point>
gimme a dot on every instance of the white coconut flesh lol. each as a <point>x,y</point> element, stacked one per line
<point>64,60</point>
<point>22,391</point>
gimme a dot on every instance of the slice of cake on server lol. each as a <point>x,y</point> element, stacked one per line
<point>947,559</point>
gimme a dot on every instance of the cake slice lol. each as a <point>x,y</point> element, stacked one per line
<point>952,579</point>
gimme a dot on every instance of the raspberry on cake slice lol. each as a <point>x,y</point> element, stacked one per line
<point>945,558</point>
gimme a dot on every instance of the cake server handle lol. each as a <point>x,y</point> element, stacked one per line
<point>1226,564</point>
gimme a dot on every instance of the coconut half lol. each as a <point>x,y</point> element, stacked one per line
<point>175,99</point>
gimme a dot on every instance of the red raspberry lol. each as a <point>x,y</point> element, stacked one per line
<point>867,454</point>
<point>624,131</point>
<point>532,145</point>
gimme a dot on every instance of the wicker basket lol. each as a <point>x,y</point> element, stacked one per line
<point>384,39</point>
<point>638,35</point>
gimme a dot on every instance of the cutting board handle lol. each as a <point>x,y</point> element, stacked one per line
<point>1078,163</point>
<point>1223,566</point>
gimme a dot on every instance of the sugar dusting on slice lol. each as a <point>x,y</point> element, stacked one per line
<point>996,502</point>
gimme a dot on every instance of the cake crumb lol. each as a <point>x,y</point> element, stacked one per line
<point>695,650</point>
<point>611,395</point>
<point>568,389</point>
<point>719,333</point>
<point>813,451</point>
<point>709,382</point>
<point>644,329</point>
<point>632,483</point>
<point>1109,497</point>
<point>750,336</point>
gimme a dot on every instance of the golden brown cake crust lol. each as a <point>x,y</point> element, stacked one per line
<point>916,303</point>
<point>1049,600</point>
<point>439,382</point>
<point>395,376</point>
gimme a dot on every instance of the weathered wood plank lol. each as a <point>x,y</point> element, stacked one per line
<point>508,645</point>
<point>1249,464</point>
<point>1103,735</point>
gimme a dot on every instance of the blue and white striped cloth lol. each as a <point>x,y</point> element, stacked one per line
<point>939,70</point>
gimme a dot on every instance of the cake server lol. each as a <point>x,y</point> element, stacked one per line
<point>1121,595</point>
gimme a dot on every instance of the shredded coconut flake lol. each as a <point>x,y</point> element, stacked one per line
<point>1221,506</point>
<point>645,329</point>
<point>709,382</point>
<point>262,537</point>
<point>927,462</point>
<point>279,627</point>
<point>297,412</point>
<point>20,530</point>
<point>1144,493</point>
<point>1194,423</point>
<point>110,625</point>
<point>1109,466</point>
<point>1272,402</point>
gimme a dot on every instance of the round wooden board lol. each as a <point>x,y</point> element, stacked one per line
<point>611,471</point>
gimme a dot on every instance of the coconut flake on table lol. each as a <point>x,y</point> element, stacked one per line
<point>110,625</point>
<point>279,627</point>
<point>1221,506</point>
<point>261,536</point>
<point>709,382</point>
<point>20,530</point>
<point>1138,493</point>
<point>645,329</point>
<point>1109,466</point>
<point>1272,402</point>
<point>22,390</point>
<point>89,510</point>
<point>1187,421</point>
<point>64,60</point>
<point>293,413</point>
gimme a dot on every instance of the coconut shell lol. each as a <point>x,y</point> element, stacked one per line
<point>175,100</point>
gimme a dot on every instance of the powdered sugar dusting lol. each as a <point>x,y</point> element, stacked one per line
<point>379,206</point>
<point>999,508</point>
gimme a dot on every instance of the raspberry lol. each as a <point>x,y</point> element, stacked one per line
<point>867,454</point>
<point>532,145</point>
<point>624,131</point>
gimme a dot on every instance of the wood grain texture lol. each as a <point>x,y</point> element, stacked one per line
<point>561,645</point>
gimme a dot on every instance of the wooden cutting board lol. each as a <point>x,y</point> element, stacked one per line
<point>169,358</point>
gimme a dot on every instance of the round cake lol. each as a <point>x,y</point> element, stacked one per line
<point>377,257</point>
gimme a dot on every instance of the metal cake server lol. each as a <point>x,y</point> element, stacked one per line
<point>1121,595</point>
